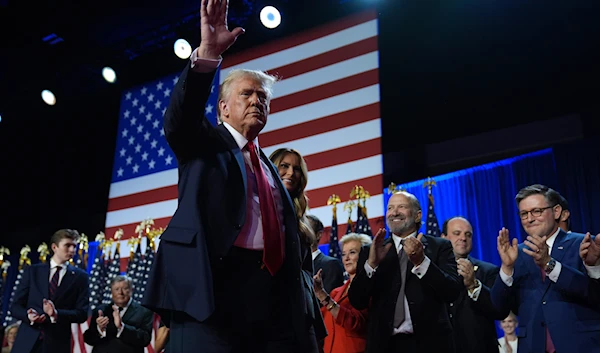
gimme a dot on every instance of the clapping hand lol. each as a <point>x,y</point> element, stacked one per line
<point>508,251</point>
<point>589,250</point>
<point>378,250</point>
<point>101,321</point>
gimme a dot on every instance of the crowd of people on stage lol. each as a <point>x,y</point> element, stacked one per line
<point>239,270</point>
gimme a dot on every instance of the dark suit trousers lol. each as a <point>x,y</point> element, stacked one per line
<point>250,315</point>
<point>408,343</point>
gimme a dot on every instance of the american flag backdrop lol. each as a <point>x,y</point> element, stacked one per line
<point>326,106</point>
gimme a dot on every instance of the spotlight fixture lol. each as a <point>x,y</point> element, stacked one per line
<point>270,17</point>
<point>182,48</point>
<point>109,74</point>
<point>48,97</point>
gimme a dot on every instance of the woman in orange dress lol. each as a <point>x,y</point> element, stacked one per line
<point>346,326</point>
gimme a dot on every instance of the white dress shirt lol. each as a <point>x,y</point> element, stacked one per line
<point>419,271</point>
<point>315,254</point>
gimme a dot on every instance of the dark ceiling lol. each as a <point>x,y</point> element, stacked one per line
<point>449,69</point>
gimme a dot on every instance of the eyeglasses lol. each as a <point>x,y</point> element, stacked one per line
<point>536,212</point>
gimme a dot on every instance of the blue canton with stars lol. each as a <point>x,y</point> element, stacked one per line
<point>141,145</point>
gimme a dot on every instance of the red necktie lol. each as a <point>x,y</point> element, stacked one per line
<point>274,250</point>
<point>54,283</point>
<point>549,344</point>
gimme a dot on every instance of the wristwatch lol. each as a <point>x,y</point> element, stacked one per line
<point>550,265</point>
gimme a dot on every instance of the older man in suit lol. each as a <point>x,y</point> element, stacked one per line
<point>545,281</point>
<point>227,274</point>
<point>49,298</point>
<point>473,314</point>
<point>124,326</point>
<point>408,280</point>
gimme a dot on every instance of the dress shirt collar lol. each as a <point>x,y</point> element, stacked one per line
<point>239,138</point>
<point>316,253</point>
<point>53,264</point>
<point>550,241</point>
<point>397,239</point>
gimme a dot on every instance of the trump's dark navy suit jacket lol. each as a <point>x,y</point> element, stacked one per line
<point>211,212</point>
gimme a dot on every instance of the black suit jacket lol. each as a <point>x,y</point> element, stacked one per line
<point>333,271</point>
<point>473,321</point>
<point>210,214</point>
<point>71,302</point>
<point>427,297</point>
<point>136,335</point>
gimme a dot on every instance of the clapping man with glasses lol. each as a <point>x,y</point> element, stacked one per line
<point>544,280</point>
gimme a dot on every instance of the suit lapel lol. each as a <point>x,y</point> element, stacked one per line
<point>236,151</point>
<point>130,312</point>
<point>66,282</point>
<point>342,293</point>
<point>561,244</point>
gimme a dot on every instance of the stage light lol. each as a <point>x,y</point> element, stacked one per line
<point>109,74</point>
<point>0,118</point>
<point>182,48</point>
<point>48,97</point>
<point>270,17</point>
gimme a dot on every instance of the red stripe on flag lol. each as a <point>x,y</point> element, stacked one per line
<point>346,154</point>
<point>142,198</point>
<point>301,38</point>
<point>322,125</point>
<point>319,197</point>
<point>332,89</point>
<point>328,58</point>
<point>316,161</point>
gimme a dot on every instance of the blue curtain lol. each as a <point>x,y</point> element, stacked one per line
<point>485,196</point>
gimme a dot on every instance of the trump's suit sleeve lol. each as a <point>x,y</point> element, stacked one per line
<point>138,334</point>
<point>186,129</point>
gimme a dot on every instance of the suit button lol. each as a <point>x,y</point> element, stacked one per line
<point>451,316</point>
<point>451,304</point>
<point>544,302</point>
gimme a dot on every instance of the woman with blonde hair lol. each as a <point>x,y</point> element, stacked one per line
<point>510,341</point>
<point>10,334</point>
<point>346,326</point>
<point>293,172</point>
